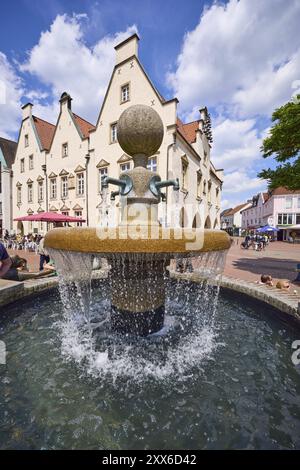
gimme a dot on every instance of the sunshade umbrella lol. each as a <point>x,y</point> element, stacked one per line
<point>267,228</point>
<point>49,217</point>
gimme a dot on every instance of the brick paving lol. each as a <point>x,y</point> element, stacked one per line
<point>279,260</point>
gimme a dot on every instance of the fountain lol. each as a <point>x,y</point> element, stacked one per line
<point>144,247</point>
<point>197,383</point>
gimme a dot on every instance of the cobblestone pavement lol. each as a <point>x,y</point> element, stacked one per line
<point>279,260</point>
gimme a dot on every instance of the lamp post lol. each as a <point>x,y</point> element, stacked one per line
<point>44,168</point>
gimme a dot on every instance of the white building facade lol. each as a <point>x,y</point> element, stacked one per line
<point>71,157</point>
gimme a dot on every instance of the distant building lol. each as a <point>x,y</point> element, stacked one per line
<point>231,219</point>
<point>279,208</point>
<point>7,157</point>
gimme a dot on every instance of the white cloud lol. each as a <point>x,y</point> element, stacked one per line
<point>11,89</point>
<point>239,181</point>
<point>63,61</point>
<point>244,56</point>
<point>236,144</point>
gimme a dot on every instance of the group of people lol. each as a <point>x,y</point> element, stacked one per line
<point>257,242</point>
<point>28,242</point>
<point>15,268</point>
<point>268,281</point>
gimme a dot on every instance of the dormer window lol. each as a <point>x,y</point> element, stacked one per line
<point>26,140</point>
<point>113,133</point>
<point>125,93</point>
<point>65,149</point>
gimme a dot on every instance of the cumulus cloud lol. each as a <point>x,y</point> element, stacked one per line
<point>236,144</point>
<point>243,55</point>
<point>63,61</point>
<point>11,90</point>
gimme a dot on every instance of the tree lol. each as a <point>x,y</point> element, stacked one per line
<point>284,143</point>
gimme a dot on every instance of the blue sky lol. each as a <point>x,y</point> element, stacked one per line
<point>240,58</point>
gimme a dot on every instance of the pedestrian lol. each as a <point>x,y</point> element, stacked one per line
<point>44,256</point>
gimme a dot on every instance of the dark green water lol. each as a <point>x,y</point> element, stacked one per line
<point>241,391</point>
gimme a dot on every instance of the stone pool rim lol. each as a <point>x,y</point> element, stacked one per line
<point>285,305</point>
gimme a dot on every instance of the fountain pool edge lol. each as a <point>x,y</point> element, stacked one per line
<point>286,304</point>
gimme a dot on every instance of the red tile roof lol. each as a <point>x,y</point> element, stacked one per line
<point>45,131</point>
<point>281,191</point>
<point>188,131</point>
<point>83,125</point>
<point>234,210</point>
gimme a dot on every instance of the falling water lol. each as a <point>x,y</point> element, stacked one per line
<point>187,338</point>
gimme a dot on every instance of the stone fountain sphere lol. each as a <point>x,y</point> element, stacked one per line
<point>140,130</point>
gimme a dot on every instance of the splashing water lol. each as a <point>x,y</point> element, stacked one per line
<point>188,337</point>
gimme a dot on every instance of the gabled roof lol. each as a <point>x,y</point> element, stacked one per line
<point>84,126</point>
<point>234,210</point>
<point>8,148</point>
<point>282,191</point>
<point>45,131</point>
<point>188,131</point>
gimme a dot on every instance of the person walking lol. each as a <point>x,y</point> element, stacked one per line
<point>44,256</point>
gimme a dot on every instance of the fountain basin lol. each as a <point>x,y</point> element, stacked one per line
<point>137,239</point>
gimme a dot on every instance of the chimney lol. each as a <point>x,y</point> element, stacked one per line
<point>127,48</point>
<point>27,110</point>
<point>65,101</point>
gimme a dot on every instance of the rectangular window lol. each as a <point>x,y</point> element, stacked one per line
<point>284,219</point>
<point>152,164</point>
<point>80,184</point>
<point>22,165</point>
<point>125,167</point>
<point>30,162</point>
<point>125,93</point>
<point>290,219</point>
<point>19,195</point>
<point>53,188</point>
<point>298,202</point>
<point>67,214</point>
<point>113,133</point>
<point>64,187</point>
<point>26,140</point>
<point>297,219</point>
<point>30,193</point>
<point>40,191</point>
<point>78,214</point>
<point>199,179</point>
<point>279,219</point>
<point>288,202</point>
<point>184,170</point>
<point>102,173</point>
<point>64,150</point>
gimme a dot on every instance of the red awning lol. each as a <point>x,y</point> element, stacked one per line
<point>49,217</point>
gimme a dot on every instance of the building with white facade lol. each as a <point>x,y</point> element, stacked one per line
<point>279,208</point>
<point>231,219</point>
<point>60,167</point>
<point>7,157</point>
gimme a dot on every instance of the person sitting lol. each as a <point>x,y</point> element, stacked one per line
<point>5,261</point>
<point>266,279</point>
<point>18,270</point>
<point>283,284</point>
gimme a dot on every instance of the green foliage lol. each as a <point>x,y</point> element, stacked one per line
<point>284,143</point>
